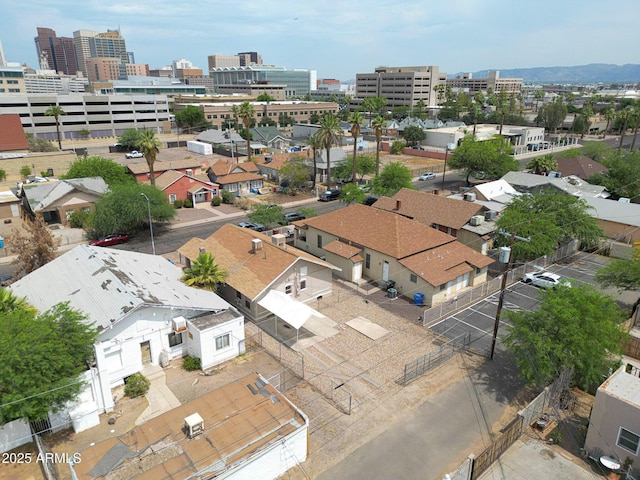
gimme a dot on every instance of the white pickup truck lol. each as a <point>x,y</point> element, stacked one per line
<point>134,154</point>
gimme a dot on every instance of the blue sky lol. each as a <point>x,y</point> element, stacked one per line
<point>342,38</point>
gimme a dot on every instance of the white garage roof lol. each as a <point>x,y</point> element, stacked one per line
<point>291,311</point>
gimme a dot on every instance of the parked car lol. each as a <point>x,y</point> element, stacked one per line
<point>545,279</point>
<point>427,176</point>
<point>418,147</point>
<point>5,280</point>
<point>329,195</point>
<point>134,154</point>
<point>292,217</point>
<point>258,227</point>
<point>110,240</point>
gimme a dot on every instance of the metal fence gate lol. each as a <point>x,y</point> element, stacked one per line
<point>429,361</point>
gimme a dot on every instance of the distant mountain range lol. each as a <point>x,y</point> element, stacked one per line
<point>592,73</point>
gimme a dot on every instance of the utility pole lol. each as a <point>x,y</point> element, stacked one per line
<point>505,275</point>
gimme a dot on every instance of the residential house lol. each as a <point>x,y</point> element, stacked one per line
<point>229,143</point>
<point>144,315</point>
<point>393,250</point>
<point>238,178</point>
<point>269,165</point>
<point>180,186</point>
<point>56,201</point>
<point>445,214</point>
<point>244,430</point>
<point>581,166</point>
<point>259,264</point>
<point>271,137</point>
<point>531,183</point>
<point>337,156</point>
<point>494,196</point>
<point>140,170</point>
<point>614,426</point>
<point>9,205</point>
<point>619,220</point>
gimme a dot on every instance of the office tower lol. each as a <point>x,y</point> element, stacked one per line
<point>59,51</point>
<point>110,45</point>
<point>249,58</point>
<point>81,44</point>
<point>219,61</point>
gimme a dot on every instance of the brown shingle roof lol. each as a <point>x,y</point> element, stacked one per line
<point>342,249</point>
<point>581,166</point>
<point>142,167</point>
<point>223,167</point>
<point>239,422</point>
<point>383,231</point>
<point>445,263</point>
<point>167,178</point>
<point>430,209</point>
<point>12,137</point>
<point>249,273</point>
<point>278,160</point>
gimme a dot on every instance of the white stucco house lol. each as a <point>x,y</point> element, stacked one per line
<point>143,312</point>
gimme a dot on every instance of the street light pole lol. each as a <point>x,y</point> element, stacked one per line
<point>444,171</point>
<point>153,245</point>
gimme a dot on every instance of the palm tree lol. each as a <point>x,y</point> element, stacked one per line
<point>315,144</point>
<point>624,115</point>
<point>328,134</point>
<point>149,146</point>
<point>356,119</point>
<point>377,125</point>
<point>609,114</point>
<point>56,112</point>
<point>545,164</point>
<point>236,114</point>
<point>635,114</point>
<point>204,273</point>
<point>9,302</point>
<point>246,113</point>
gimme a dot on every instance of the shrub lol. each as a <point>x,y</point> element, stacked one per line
<point>45,174</point>
<point>3,175</point>
<point>177,204</point>
<point>216,201</point>
<point>228,197</point>
<point>397,147</point>
<point>243,203</point>
<point>188,203</point>
<point>190,363</point>
<point>78,219</point>
<point>136,385</point>
<point>25,171</point>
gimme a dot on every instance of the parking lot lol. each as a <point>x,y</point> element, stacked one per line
<point>478,320</point>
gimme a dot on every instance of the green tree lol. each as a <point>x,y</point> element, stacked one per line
<point>577,328</point>
<point>246,113</point>
<point>25,171</point>
<point>308,212</point>
<point>419,109</point>
<point>621,273</point>
<point>37,144</point>
<point>35,246</point>
<point>295,173</point>
<point>204,273</point>
<point>3,174</point>
<point>265,97</point>
<point>365,165</point>
<point>357,120</point>
<point>397,147</point>
<point>623,177</point>
<point>552,115</point>
<point>56,112</point>
<point>413,135</point>
<point>352,193</point>
<point>375,105</point>
<point>150,146</point>
<point>125,210</point>
<point>130,139</point>
<point>543,164</point>
<point>268,214</point>
<point>285,120</point>
<point>84,133</point>
<point>191,118</point>
<point>111,172</point>
<point>41,357</point>
<point>400,112</point>
<point>394,177</point>
<point>489,157</point>
<point>547,218</point>
<point>378,125</point>
<point>328,134</point>
<point>9,302</point>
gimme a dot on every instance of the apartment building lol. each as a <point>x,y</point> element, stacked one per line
<point>101,115</point>
<point>12,80</point>
<point>401,86</point>
<point>467,83</point>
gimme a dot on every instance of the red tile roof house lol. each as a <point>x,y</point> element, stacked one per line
<point>461,219</point>
<point>382,246</point>
<point>241,179</point>
<point>140,170</point>
<point>180,186</point>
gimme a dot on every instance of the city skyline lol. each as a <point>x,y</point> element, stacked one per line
<point>341,39</point>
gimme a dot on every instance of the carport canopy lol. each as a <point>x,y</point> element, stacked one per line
<point>291,311</point>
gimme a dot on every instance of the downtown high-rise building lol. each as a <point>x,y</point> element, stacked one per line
<point>58,53</point>
<point>81,43</point>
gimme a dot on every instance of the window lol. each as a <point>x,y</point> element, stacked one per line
<point>247,304</point>
<point>238,294</point>
<point>413,278</point>
<point>175,339</point>
<point>628,440</point>
<point>68,213</point>
<point>172,198</point>
<point>443,286</point>
<point>319,241</point>
<point>288,289</point>
<point>303,284</point>
<point>222,341</point>
<point>367,261</point>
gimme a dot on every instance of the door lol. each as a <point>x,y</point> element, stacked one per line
<point>385,271</point>
<point>145,352</point>
<point>357,271</point>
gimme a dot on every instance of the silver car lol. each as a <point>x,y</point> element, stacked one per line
<point>545,279</point>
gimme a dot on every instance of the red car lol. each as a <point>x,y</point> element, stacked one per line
<point>110,240</point>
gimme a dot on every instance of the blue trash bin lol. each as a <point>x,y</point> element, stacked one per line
<point>418,298</point>
<point>1,242</point>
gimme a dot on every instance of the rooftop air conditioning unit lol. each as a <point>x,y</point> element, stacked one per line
<point>476,220</point>
<point>189,171</point>
<point>278,239</point>
<point>469,197</point>
<point>490,215</point>
<point>179,324</point>
<point>194,425</point>
<point>256,245</point>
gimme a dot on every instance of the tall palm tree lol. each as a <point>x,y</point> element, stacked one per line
<point>9,302</point>
<point>329,133</point>
<point>56,112</point>
<point>624,116</point>
<point>357,120</point>
<point>204,273</point>
<point>635,114</point>
<point>610,115</point>
<point>150,146</point>
<point>246,114</point>
<point>378,124</point>
<point>316,144</point>
<point>236,114</point>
